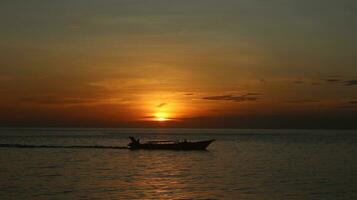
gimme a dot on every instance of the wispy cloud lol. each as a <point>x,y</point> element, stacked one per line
<point>252,94</point>
<point>54,100</point>
<point>6,77</point>
<point>299,81</point>
<point>328,80</point>
<point>333,80</point>
<point>235,98</point>
<point>351,82</point>
<point>302,101</point>
<point>337,80</point>
<point>161,105</point>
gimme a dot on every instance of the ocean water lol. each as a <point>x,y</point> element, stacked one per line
<point>241,164</point>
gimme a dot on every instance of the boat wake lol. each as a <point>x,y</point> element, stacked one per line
<point>59,146</point>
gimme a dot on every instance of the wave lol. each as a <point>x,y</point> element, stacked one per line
<point>60,146</point>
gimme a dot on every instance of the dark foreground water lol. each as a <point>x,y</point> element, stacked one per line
<point>241,164</point>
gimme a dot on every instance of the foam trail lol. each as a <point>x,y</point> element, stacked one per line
<point>57,146</point>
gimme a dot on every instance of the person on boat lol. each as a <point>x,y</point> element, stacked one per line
<point>133,140</point>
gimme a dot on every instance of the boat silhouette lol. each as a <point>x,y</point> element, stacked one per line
<point>169,144</point>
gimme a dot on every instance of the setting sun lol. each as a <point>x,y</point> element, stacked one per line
<point>161,116</point>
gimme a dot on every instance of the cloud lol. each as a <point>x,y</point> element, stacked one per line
<point>345,107</point>
<point>235,98</point>
<point>49,100</point>
<point>329,80</point>
<point>345,82</point>
<point>351,82</point>
<point>6,78</point>
<point>253,94</point>
<point>55,100</point>
<point>303,101</point>
<point>161,105</point>
<point>332,80</point>
<point>298,81</point>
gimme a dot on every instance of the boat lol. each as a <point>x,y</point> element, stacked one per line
<point>168,144</point>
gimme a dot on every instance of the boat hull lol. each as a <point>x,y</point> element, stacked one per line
<point>184,146</point>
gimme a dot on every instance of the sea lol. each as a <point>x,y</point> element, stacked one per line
<point>240,164</point>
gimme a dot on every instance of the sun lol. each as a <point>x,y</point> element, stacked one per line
<point>161,116</point>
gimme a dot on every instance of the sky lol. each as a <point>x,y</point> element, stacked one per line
<point>179,63</point>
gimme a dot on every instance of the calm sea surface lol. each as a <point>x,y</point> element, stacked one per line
<point>241,164</point>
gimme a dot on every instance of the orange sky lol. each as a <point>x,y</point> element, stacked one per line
<point>188,64</point>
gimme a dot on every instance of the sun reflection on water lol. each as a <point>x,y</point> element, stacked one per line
<point>166,176</point>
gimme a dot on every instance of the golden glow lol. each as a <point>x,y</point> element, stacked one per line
<point>166,106</point>
<point>161,116</point>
